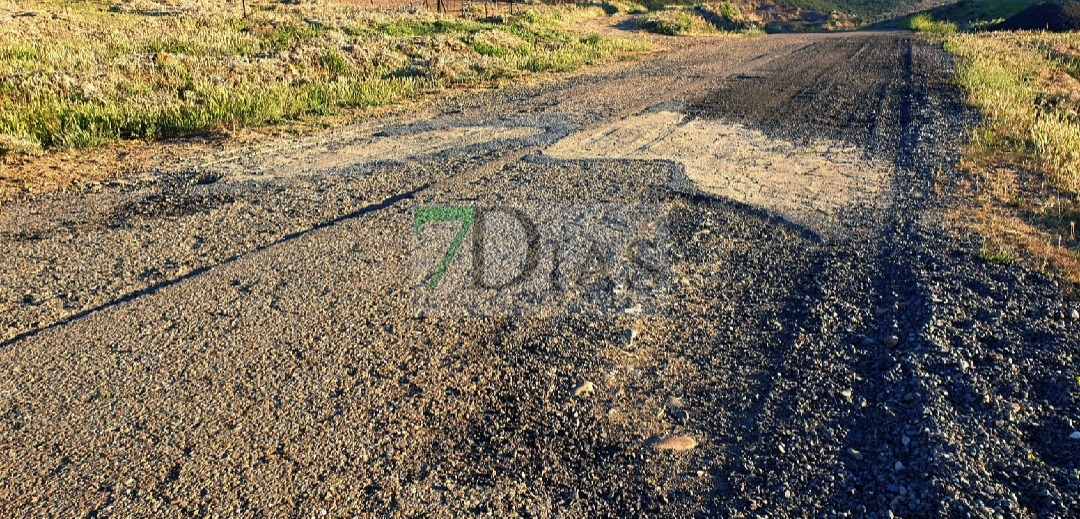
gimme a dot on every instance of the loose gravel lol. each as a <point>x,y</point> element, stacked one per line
<point>241,336</point>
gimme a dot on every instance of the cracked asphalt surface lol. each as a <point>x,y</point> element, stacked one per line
<point>242,336</point>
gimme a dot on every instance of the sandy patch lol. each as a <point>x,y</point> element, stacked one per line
<point>808,185</point>
<point>377,148</point>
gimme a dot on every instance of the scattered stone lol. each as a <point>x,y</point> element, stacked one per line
<point>958,330</point>
<point>676,409</point>
<point>584,389</point>
<point>1075,314</point>
<point>891,341</point>
<point>677,444</point>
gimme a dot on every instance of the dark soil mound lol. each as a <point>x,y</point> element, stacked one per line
<point>1055,17</point>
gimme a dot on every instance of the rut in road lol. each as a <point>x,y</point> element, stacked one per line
<point>301,375</point>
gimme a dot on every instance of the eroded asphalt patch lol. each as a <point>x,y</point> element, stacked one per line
<point>258,335</point>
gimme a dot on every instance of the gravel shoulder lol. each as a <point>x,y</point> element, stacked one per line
<point>244,335</point>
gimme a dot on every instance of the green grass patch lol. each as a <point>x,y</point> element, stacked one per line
<point>924,23</point>
<point>489,49</point>
<point>998,257</point>
<point>16,52</point>
<point>336,64</point>
<point>676,21</point>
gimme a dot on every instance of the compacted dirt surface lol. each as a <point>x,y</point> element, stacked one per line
<point>711,282</point>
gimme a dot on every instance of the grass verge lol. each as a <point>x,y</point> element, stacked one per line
<point>79,74</point>
<point>1023,160</point>
<point>1027,85</point>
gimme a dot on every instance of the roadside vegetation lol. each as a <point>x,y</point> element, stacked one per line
<point>974,15</point>
<point>616,7</point>
<point>1027,85</point>
<point>926,24</point>
<point>81,74</point>
<point>1024,158</point>
<point>863,9</point>
<point>721,18</point>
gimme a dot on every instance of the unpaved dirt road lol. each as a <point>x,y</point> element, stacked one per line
<point>257,334</point>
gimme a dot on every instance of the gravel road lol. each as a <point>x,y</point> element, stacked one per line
<point>736,299</point>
